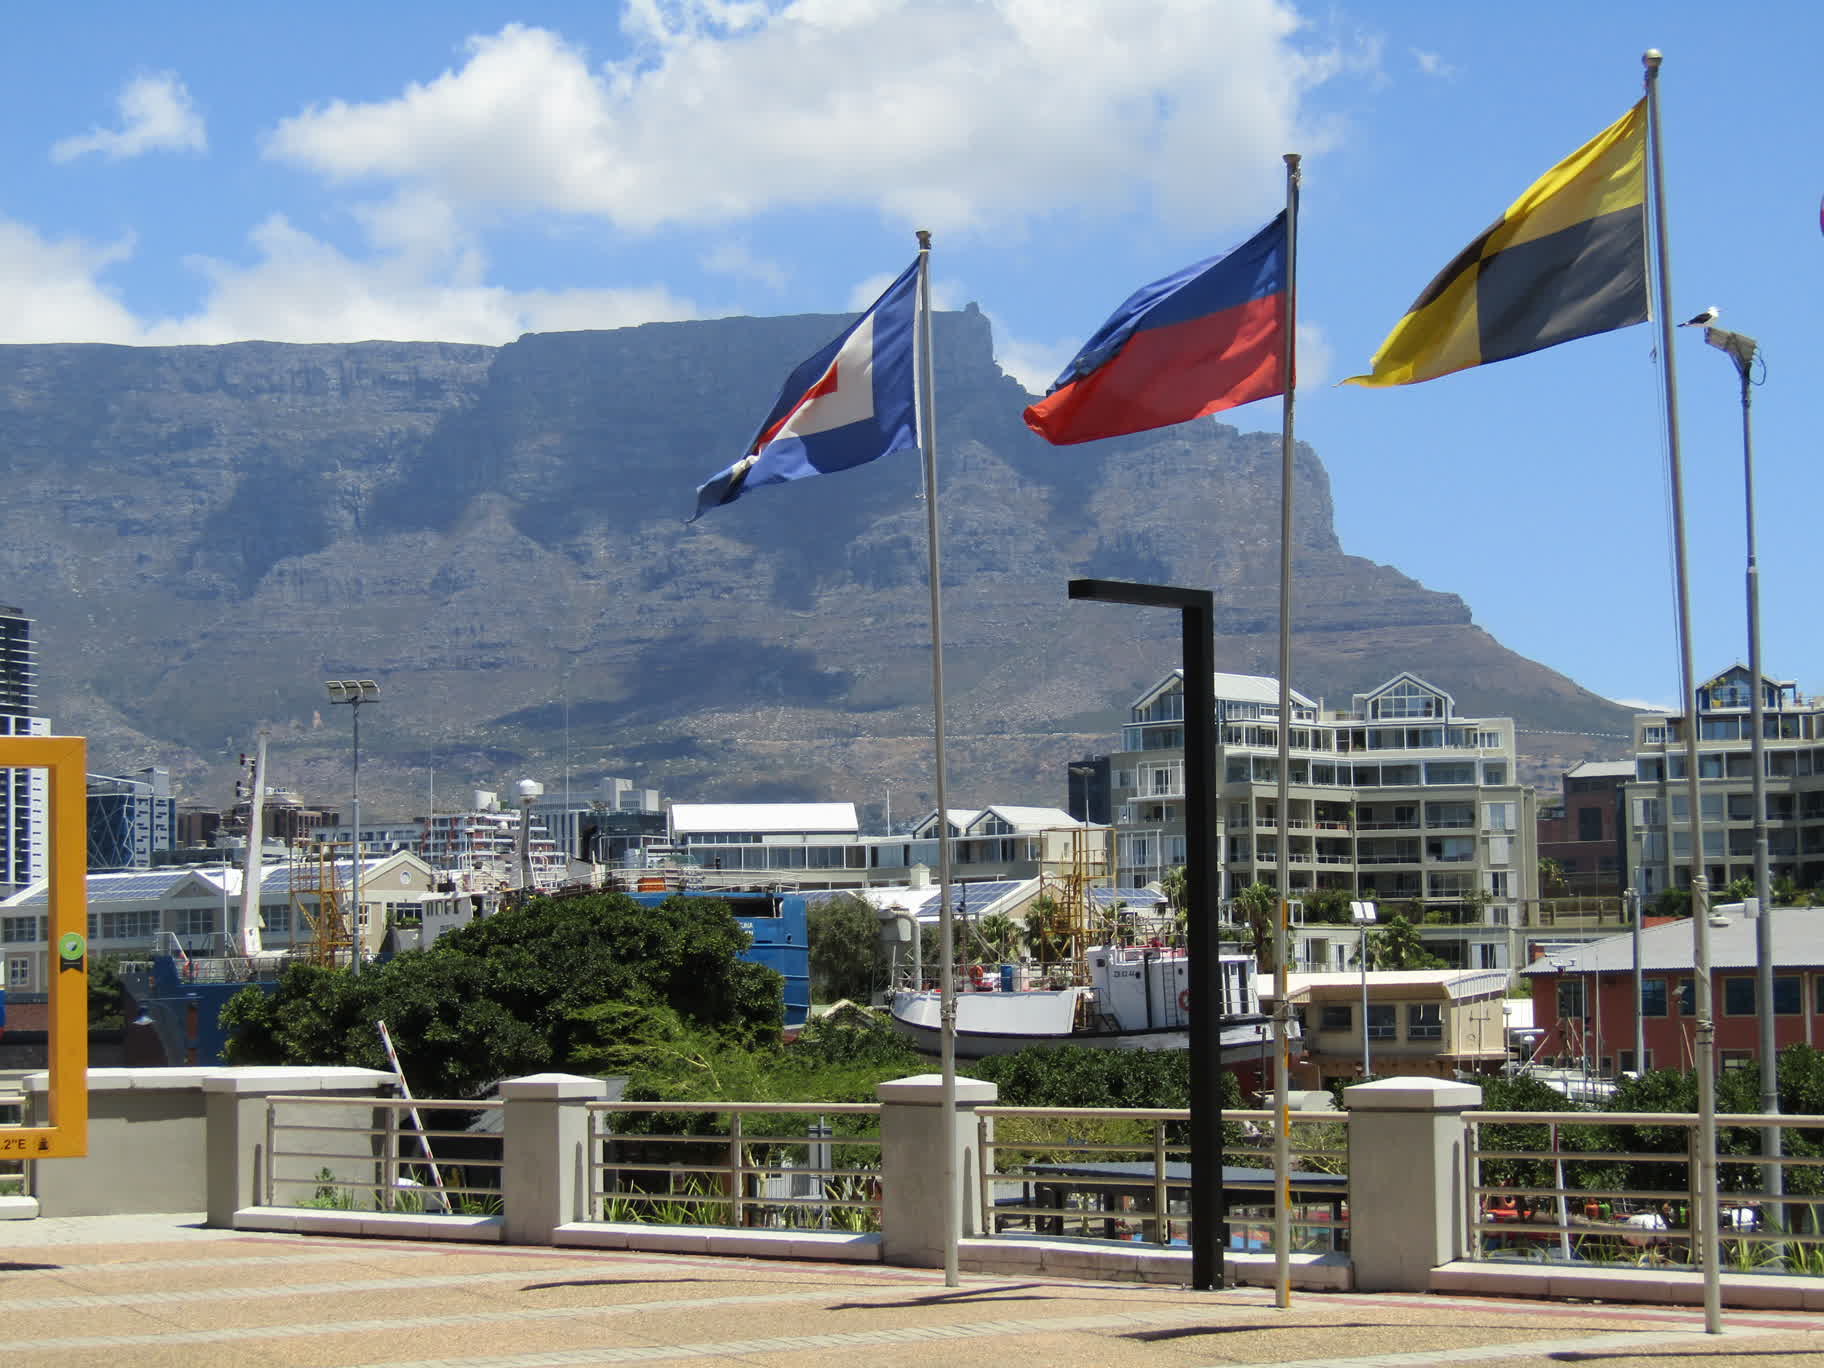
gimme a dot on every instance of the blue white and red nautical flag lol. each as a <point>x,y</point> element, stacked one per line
<point>1199,341</point>
<point>851,403</point>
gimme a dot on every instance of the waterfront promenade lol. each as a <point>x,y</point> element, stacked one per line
<point>152,1291</point>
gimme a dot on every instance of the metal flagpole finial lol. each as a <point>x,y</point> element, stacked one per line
<point>924,239</point>
<point>1292,159</point>
<point>1651,59</point>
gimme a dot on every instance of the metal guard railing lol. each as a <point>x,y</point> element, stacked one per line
<point>1152,1206</point>
<point>400,1172</point>
<point>1545,1212</point>
<point>736,1177</point>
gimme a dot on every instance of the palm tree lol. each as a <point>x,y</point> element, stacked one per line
<point>1397,945</point>
<point>1043,928</point>
<point>1258,902</point>
<point>998,935</point>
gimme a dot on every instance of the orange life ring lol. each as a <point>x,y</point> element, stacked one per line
<point>1184,999</point>
<point>975,973</point>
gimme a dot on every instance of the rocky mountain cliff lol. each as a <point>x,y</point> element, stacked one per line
<point>204,534</point>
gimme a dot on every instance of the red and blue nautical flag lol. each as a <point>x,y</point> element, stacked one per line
<point>1202,340</point>
<point>851,403</point>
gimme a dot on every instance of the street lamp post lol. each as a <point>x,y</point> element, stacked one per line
<point>354,692</point>
<point>1743,350</point>
<point>1197,616</point>
<point>1362,914</point>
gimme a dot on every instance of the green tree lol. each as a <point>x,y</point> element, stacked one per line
<point>1552,882</point>
<point>1175,884</point>
<point>1397,945</point>
<point>1329,906</point>
<point>998,936</point>
<point>1737,890</point>
<point>1673,902</point>
<point>844,932</point>
<point>107,995</point>
<point>508,994</point>
<point>1045,928</point>
<point>1258,904</point>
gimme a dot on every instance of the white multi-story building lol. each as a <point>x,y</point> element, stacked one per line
<point>25,793</point>
<point>481,849</point>
<point>1658,799</point>
<point>1395,799</point>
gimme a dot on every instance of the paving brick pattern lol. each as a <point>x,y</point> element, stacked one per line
<point>156,1291</point>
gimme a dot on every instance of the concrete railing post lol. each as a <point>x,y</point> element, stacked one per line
<point>234,1112</point>
<point>544,1178</point>
<point>1408,1186</point>
<point>912,1142</point>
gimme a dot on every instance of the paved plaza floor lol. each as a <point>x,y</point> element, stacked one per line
<point>151,1291</point>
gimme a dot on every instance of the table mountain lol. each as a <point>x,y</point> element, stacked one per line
<point>204,534</point>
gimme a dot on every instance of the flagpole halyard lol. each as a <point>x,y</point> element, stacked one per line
<point>946,977</point>
<point>1704,1209</point>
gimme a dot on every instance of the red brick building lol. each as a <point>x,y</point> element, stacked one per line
<point>1586,831</point>
<point>1583,995</point>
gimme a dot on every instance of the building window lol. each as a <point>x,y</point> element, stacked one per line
<point>1786,995</point>
<point>1383,1023</point>
<point>1337,1016</point>
<point>1738,997</point>
<point>140,924</point>
<point>1570,998</point>
<point>1589,824</point>
<point>193,921</point>
<point>18,972</point>
<point>1653,997</point>
<point>1425,1021</point>
<point>1627,1061</point>
<point>21,930</point>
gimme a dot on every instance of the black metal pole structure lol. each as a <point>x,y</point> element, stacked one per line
<point>1209,1212</point>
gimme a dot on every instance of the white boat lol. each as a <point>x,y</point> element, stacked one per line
<point>1137,997</point>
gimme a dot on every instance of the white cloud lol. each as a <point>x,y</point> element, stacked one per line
<point>1432,64</point>
<point>737,260</point>
<point>156,115</point>
<point>53,291</point>
<point>951,113</point>
<point>1034,364</point>
<point>300,289</point>
<point>1316,358</point>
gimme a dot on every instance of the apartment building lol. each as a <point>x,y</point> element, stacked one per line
<point>24,793</point>
<point>1659,809</point>
<point>131,819</point>
<point>820,845</point>
<point>1585,831</point>
<point>1395,799</point>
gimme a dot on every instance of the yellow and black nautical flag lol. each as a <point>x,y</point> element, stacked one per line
<point>1567,260</point>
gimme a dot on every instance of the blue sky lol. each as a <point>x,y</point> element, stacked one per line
<point>469,171</point>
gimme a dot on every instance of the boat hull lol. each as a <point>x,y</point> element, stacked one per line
<point>1003,1023</point>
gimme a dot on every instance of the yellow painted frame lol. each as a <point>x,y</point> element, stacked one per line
<point>67,1135</point>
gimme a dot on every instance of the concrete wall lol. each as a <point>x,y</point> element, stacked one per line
<point>149,1135</point>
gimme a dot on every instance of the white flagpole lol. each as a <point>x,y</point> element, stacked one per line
<point>1282,1009</point>
<point>946,979</point>
<point>1704,1212</point>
